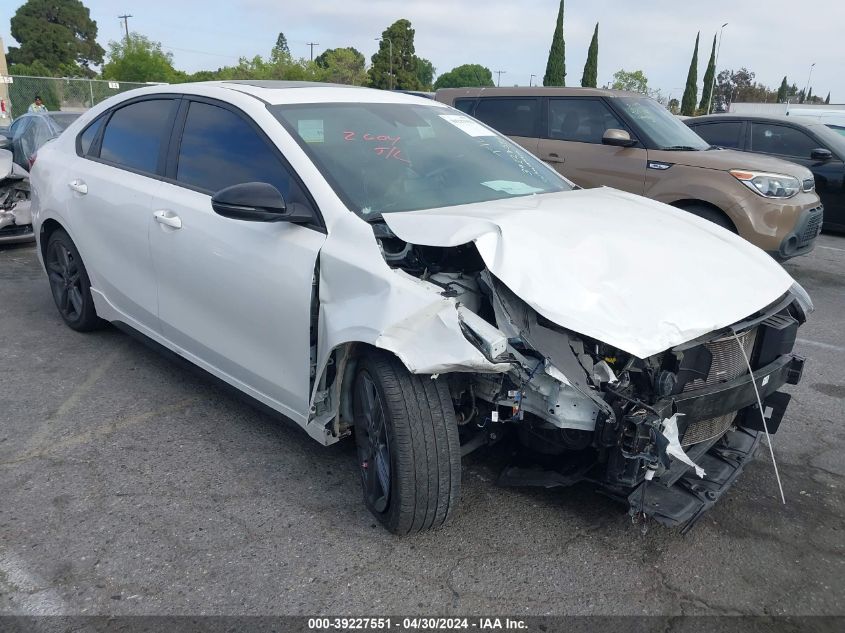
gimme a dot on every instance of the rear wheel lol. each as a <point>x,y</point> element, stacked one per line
<point>713,215</point>
<point>69,283</point>
<point>407,440</point>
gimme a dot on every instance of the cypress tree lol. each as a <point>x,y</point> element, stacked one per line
<point>691,91</point>
<point>591,68</point>
<point>707,89</point>
<point>828,98</point>
<point>809,97</point>
<point>783,91</point>
<point>556,65</point>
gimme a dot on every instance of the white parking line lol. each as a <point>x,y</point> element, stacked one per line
<point>835,348</point>
<point>832,248</point>
<point>28,594</point>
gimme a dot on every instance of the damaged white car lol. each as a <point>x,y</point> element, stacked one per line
<point>376,265</point>
<point>15,216</point>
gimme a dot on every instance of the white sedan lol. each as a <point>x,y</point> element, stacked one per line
<point>375,264</point>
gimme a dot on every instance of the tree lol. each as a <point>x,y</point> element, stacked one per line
<point>691,90</point>
<point>398,38</point>
<point>342,66</point>
<point>827,101</point>
<point>425,73</point>
<point>801,96</point>
<point>591,67</point>
<point>783,91</point>
<point>138,59</point>
<point>465,76</point>
<point>810,94</point>
<point>634,81</point>
<point>740,86</point>
<point>709,76</point>
<point>556,64</point>
<point>281,46</point>
<point>674,106</point>
<point>59,34</point>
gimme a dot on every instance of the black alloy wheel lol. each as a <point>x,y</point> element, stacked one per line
<point>69,283</point>
<point>65,281</point>
<point>373,443</point>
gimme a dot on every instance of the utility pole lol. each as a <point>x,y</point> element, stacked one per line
<point>125,19</point>
<point>312,45</point>
<point>499,77</point>
<point>807,87</point>
<point>531,80</point>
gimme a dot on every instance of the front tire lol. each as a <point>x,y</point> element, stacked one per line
<point>69,283</point>
<point>407,439</point>
<point>712,215</point>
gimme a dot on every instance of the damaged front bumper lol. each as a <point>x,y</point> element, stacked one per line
<point>680,497</point>
<point>676,495</point>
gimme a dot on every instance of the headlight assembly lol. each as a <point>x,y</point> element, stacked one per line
<point>768,185</point>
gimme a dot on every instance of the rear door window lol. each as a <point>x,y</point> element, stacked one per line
<point>136,135</point>
<point>581,120</point>
<point>770,138</point>
<point>724,134</point>
<point>464,105</point>
<point>512,117</point>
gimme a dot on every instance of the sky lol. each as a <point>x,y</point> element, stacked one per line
<point>772,38</point>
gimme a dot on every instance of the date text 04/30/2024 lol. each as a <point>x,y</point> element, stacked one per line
<point>416,624</point>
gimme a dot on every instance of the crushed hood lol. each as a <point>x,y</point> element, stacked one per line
<point>631,272</point>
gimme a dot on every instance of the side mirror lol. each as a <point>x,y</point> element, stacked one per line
<point>258,202</point>
<point>617,138</point>
<point>821,154</point>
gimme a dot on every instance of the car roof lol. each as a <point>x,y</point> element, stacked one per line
<point>273,92</point>
<point>538,91</point>
<point>772,118</point>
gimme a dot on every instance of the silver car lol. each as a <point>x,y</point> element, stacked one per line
<point>382,266</point>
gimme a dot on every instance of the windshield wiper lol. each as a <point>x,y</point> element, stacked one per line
<point>680,148</point>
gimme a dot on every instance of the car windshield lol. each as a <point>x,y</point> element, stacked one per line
<point>64,119</point>
<point>389,157</point>
<point>664,129</point>
<point>837,128</point>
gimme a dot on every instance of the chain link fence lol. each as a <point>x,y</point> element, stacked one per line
<point>57,93</point>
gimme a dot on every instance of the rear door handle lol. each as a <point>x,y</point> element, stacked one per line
<point>78,186</point>
<point>552,157</point>
<point>168,218</point>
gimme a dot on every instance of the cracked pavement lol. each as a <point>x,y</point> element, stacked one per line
<point>134,485</point>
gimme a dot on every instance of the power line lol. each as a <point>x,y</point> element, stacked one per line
<point>125,17</point>
<point>312,45</point>
<point>192,50</point>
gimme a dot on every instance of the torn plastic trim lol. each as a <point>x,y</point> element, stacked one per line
<point>669,430</point>
<point>686,500</point>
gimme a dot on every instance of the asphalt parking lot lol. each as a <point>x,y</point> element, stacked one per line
<point>131,485</point>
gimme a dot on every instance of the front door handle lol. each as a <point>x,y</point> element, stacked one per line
<point>552,157</point>
<point>78,186</point>
<point>168,218</point>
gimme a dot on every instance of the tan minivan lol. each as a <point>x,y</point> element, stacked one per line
<point>626,140</point>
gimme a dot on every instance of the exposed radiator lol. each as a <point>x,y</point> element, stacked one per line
<point>728,363</point>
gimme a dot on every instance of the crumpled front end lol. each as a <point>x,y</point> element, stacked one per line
<point>15,204</point>
<point>667,434</point>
